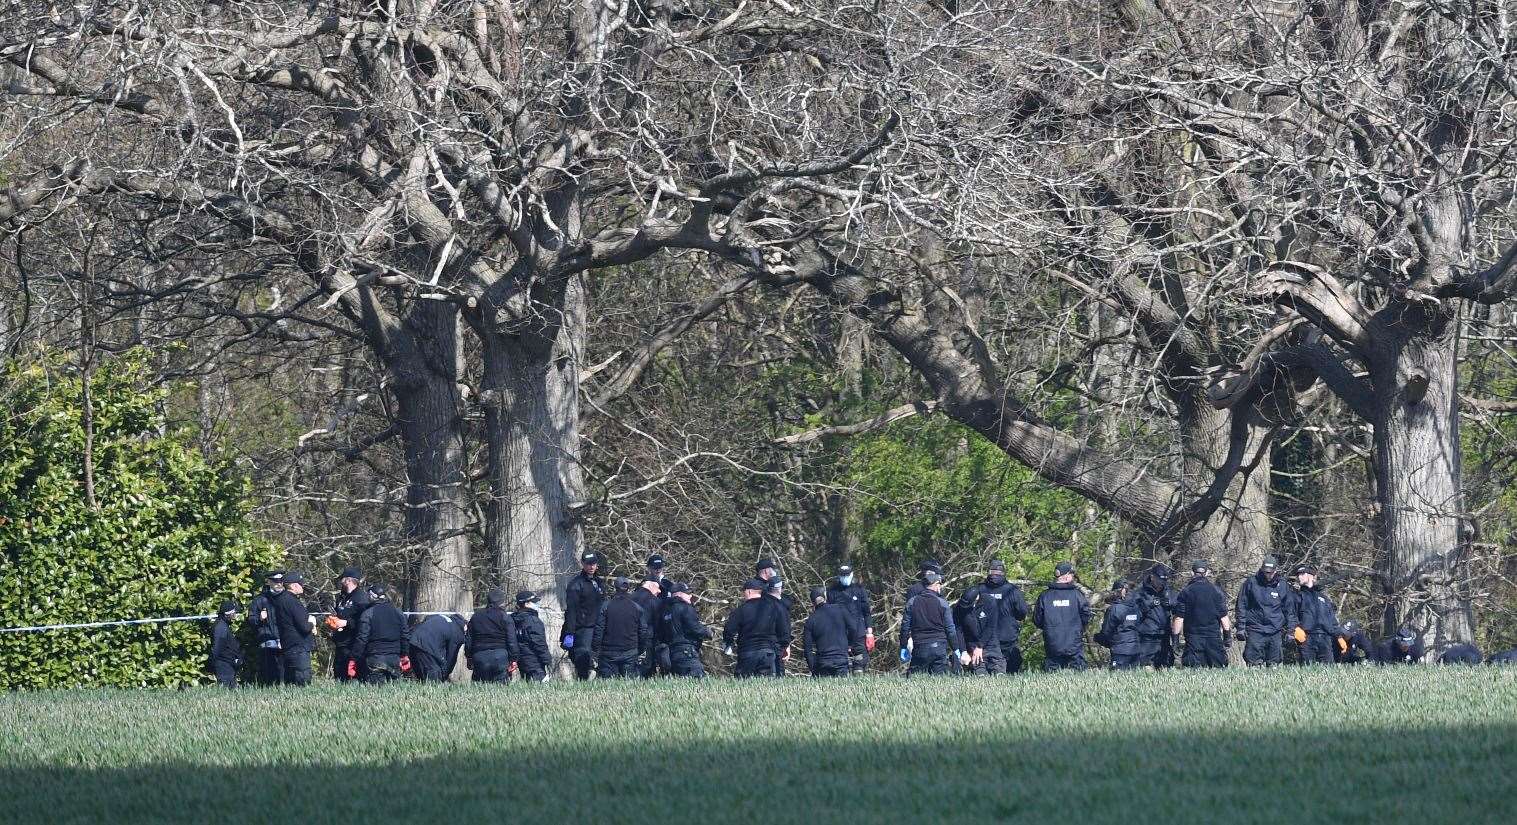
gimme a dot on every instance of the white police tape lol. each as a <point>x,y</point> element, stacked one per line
<point>124,622</point>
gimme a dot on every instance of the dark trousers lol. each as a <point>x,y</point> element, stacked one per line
<point>830,666</point>
<point>618,664</point>
<point>428,668</point>
<point>382,669</point>
<point>994,662</point>
<point>858,662</point>
<point>1126,661</point>
<point>530,670</point>
<point>492,665</point>
<point>657,662</point>
<point>1151,650</point>
<point>1318,649</point>
<point>1204,651</point>
<point>583,652</point>
<point>226,674</point>
<point>270,666</point>
<point>297,667</point>
<point>1069,661</point>
<point>685,661</point>
<point>759,662</point>
<point>1261,648</point>
<point>340,658</point>
<point>929,657</point>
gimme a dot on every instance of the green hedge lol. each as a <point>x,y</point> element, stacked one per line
<point>170,535</point>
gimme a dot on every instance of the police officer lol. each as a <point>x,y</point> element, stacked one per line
<point>679,628</point>
<point>622,634</point>
<point>1264,600</point>
<point>1200,612</point>
<point>1506,657</point>
<point>582,601</point>
<point>1314,619</point>
<point>1405,648</point>
<point>1353,646</point>
<point>297,631</point>
<point>531,640</point>
<point>854,598</point>
<point>226,651</point>
<point>977,615</point>
<point>757,630</point>
<point>829,634</point>
<point>352,601</point>
<point>435,642</point>
<point>927,629</point>
<point>382,638</point>
<point>265,620</point>
<point>1119,630</point>
<point>1013,609</point>
<point>1460,653</point>
<point>649,595</point>
<point>927,566</point>
<point>1155,603</point>
<point>1062,612</point>
<point>655,572</point>
<point>491,645</point>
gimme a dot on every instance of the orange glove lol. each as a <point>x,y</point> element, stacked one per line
<point>352,668</point>
<point>1342,645</point>
<point>1299,636</point>
<point>333,623</point>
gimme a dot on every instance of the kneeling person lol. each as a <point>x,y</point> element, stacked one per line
<point>531,638</point>
<point>382,638</point>
<point>435,643</point>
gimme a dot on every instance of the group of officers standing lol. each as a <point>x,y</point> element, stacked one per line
<point>651,627</point>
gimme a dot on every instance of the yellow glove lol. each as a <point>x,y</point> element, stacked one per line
<point>1342,645</point>
<point>1300,636</point>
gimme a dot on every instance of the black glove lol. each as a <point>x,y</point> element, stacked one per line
<point>1240,635</point>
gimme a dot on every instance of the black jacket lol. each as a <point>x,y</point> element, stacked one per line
<point>350,606</point>
<point>679,624</point>
<point>582,600</point>
<point>1154,611</point>
<point>440,637</point>
<point>757,624</point>
<point>1359,649</point>
<point>1263,606</point>
<point>382,631</point>
<point>491,629</point>
<point>1506,657</point>
<point>978,616</point>
<point>1313,612</point>
<point>1119,630</point>
<point>854,599</point>
<point>928,618</point>
<point>1202,605</point>
<point>648,602</point>
<point>294,623</point>
<point>532,638</point>
<point>224,645</point>
<point>830,632</point>
<point>1013,609</point>
<point>264,630</point>
<point>623,627</point>
<point>1390,653</point>
<point>1460,654</point>
<point>1062,612</point>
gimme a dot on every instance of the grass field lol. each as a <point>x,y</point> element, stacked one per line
<point>1288,746</point>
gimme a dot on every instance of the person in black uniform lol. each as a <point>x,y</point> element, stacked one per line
<point>649,595</point>
<point>491,646</point>
<point>977,615</point>
<point>1062,612</point>
<point>435,642</point>
<point>381,639</point>
<point>265,621</point>
<point>352,601</point>
<point>582,600</point>
<point>1264,601</point>
<point>1460,653</point>
<point>535,662</point>
<point>1506,657</point>
<point>1314,619</point>
<point>297,631</point>
<point>1013,609</point>
<point>1353,646</point>
<point>622,634</point>
<point>1201,615</point>
<point>829,634</point>
<point>854,598</point>
<point>1156,603</point>
<point>679,628</point>
<point>226,651</point>
<point>1404,648</point>
<point>927,629</point>
<point>1119,629</point>
<point>758,631</point>
<point>927,566</point>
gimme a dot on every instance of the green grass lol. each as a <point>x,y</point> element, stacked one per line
<point>1287,746</point>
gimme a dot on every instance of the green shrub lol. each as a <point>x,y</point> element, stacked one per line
<point>169,535</point>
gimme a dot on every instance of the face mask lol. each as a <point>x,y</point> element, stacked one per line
<point>846,581</point>
<point>996,578</point>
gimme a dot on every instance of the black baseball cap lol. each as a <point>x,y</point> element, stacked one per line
<point>1064,568</point>
<point>1119,584</point>
<point>1406,636</point>
<point>679,587</point>
<point>229,606</point>
<point>1270,563</point>
<point>350,573</point>
<point>753,584</point>
<point>1200,566</point>
<point>818,593</point>
<point>589,558</point>
<point>496,597</point>
<point>656,561</point>
<point>1163,572</point>
<point>932,577</point>
<point>623,583</point>
<point>845,569</point>
<point>997,566</point>
<point>1306,568</point>
<point>274,576</point>
<point>377,592</point>
<point>762,564</point>
<point>294,577</point>
<point>930,564</point>
<point>524,596</point>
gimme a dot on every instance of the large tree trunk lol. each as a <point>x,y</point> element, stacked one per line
<point>1417,476</point>
<point>1237,536</point>
<point>531,399</point>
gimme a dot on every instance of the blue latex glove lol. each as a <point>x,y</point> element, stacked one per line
<point>568,641</point>
<point>905,655</point>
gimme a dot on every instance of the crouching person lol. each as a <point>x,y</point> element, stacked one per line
<point>226,651</point>
<point>382,638</point>
<point>535,661</point>
<point>435,643</point>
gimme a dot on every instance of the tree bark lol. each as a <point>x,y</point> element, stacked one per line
<point>1237,536</point>
<point>1417,475</point>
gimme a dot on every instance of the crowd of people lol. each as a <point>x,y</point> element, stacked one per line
<point>647,628</point>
